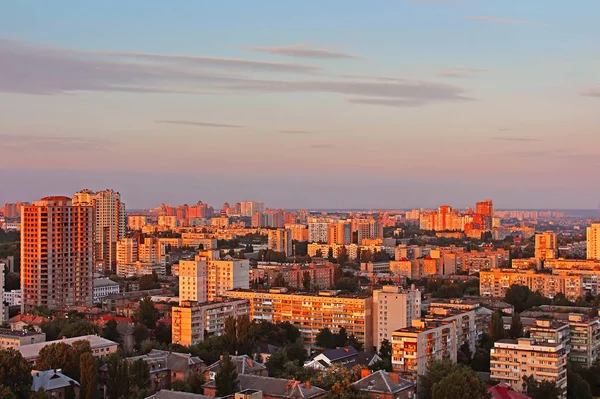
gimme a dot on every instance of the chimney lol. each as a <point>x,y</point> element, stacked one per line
<point>364,373</point>
<point>395,376</point>
<point>307,384</point>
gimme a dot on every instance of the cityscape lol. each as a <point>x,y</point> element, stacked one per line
<point>391,199</point>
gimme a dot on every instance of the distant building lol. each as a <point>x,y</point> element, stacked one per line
<point>193,280</point>
<point>280,240</point>
<point>393,308</point>
<point>545,245</point>
<point>101,347</point>
<point>593,241</point>
<point>104,287</point>
<point>12,338</point>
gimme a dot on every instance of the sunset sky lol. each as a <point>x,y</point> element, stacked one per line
<point>322,104</point>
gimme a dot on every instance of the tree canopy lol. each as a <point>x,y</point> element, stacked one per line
<point>461,383</point>
<point>226,380</point>
<point>15,372</point>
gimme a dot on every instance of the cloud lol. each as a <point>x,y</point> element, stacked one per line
<point>30,69</point>
<point>303,51</point>
<point>295,132</point>
<point>593,92</point>
<point>322,146</point>
<point>495,19</point>
<point>460,72</point>
<point>204,124</point>
<point>515,138</point>
<point>386,101</point>
<point>374,77</point>
<point>504,129</point>
<point>52,143</point>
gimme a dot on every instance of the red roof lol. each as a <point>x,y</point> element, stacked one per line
<point>502,391</point>
<point>118,319</point>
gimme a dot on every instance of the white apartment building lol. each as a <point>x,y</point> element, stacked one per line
<point>193,280</point>
<point>224,274</point>
<point>13,298</point>
<point>394,308</point>
<point>318,232</point>
<point>104,287</point>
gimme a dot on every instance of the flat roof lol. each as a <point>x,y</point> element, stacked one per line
<point>30,352</point>
<point>5,332</point>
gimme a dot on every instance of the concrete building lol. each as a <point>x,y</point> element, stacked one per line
<point>545,245</point>
<point>104,287</point>
<point>368,229</point>
<point>393,309</point>
<point>318,232</point>
<point>101,347</point>
<point>339,233</point>
<point>311,312</point>
<point>593,241</point>
<point>11,339</point>
<point>193,280</point>
<point>57,254</point>
<point>511,360</point>
<point>192,322</point>
<point>136,222</point>
<point>110,224</point>
<point>55,384</point>
<point>320,275</point>
<point>139,269</point>
<point>127,250</point>
<point>224,274</point>
<point>299,231</point>
<point>280,240</point>
<point>13,298</point>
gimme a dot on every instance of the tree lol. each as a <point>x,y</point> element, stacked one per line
<point>140,334</point>
<point>244,343</point>
<point>59,356</point>
<point>15,372</point>
<point>341,338</point>
<point>461,383</point>
<point>541,389</point>
<point>230,334</point>
<point>385,353</point>
<point>182,386</point>
<point>226,380</point>
<point>138,373</point>
<point>6,393</point>
<point>325,339</point>
<point>497,326</point>
<point>88,375</point>
<point>279,281</point>
<point>110,331</point>
<point>516,327</point>
<point>464,354</point>
<point>306,280</point>
<point>147,314</point>
<point>577,387</point>
<point>163,333</point>
<point>147,282</point>
<point>354,342</point>
<point>196,381</point>
<point>437,371</point>
<point>117,384</point>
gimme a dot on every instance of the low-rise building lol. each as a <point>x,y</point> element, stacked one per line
<point>104,287</point>
<point>14,338</point>
<point>101,347</point>
<point>244,365</point>
<point>512,360</point>
<point>13,297</point>
<point>262,387</point>
<point>384,385</point>
<point>54,384</point>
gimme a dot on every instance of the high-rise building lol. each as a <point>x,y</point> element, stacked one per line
<point>193,278</point>
<point>248,208</point>
<point>393,309</point>
<point>280,240</point>
<point>545,245</point>
<point>593,241</point>
<point>57,254</point>
<point>110,224</point>
<point>224,274</point>
<point>127,250</point>
<point>318,232</point>
<point>299,231</point>
<point>340,233</point>
<point>136,222</point>
<point>368,229</point>
<point>484,213</point>
<point>13,210</point>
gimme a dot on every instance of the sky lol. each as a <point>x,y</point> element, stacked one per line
<point>316,104</point>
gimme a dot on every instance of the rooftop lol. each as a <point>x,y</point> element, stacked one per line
<point>321,294</point>
<point>276,387</point>
<point>104,282</point>
<point>30,352</point>
<point>4,332</point>
<point>168,394</point>
<point>380,381</point>
<point>50,380</point>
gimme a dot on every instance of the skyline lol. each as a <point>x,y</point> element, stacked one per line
<point>400,104</point>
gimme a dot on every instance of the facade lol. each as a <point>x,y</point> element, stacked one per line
<point>104,287</point>
<point>393,309</point>
<point>312,312</point>
<point>593,241</point>
<point>127,250</point>
<point>339,233</point>
<point>299,231</point>
<point>511,360</point>
<point>280,240</point>
<point>320,275</point>
<point>224,274</point>
<point>12,339</point>
<point>384,385</point>
<point>13,298</point>
<point>57,254</point>
<point>192,322</point>
<point>139,269</point>
<point>318,232</point>
<point>193,280</point>
<point>101,347</point>
<point>110,224</point>
<point>136,222</point>
<point>545,245</point>
<point>369,229</point>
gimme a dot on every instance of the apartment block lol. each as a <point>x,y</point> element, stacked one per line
<point>394,308</point>
<point>311,312</point>
<point>299,231</point>
<point>321,275</point>
<point>10,339</point>
<point>280,240</point>
<point>193,281</point>
<point>318,232</point>
<point>550,331</point>
<point>593,241</point>
<point>224,274</point>
<point>511,360</point>
<point>192,322</point>
<point>545,245</point>
<point>136,222</point>
<point>496,282</point>
<point>339,233</point>
<point>414,348</point>
<point>57,254</point>
<point>139,269</point>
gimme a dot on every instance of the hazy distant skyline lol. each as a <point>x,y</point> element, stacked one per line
<point>331,104</point>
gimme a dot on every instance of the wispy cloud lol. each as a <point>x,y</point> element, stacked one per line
<point>33,69</point>
<point>593,92</point>
<point>295,132</point>
<point>374,77</point>
<point>495,19</point>
<point>303,51</point>
<point>515,139</point>
<point>203,124</point>
<point>459,72</point>
<point>53,143</point>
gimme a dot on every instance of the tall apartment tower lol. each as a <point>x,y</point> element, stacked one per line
<point>485,210</point>
<point>193,281</point>
<point>57,254</point>
<point>280,240</point>
<point>545,245</point>
<point>593,241</point>
<point>368,229</point>
<point>393,309</point>
<point>109,227</point>
<point>339,233</point>
<point>224,274</point>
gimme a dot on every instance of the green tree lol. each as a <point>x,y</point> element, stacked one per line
<point>117,375</point>
<point>182,386</point>
<point>110,331</point>
<point>226,380</point>
<point>196,381</point>
<point>306,280</point>
<point>325,338</point>
<point>341,338</point>
<point>59,356</point>
<point>88,375</point>
<point>385,353</point>
<point>163,333</point>
<point>464,354</point>
<point>138,373</point>
<point>437,371</point>
<point>230,334</point>
<point>354,342</point>
<point>540,389</point>
<point>497,326</point>
<point>460,383</point>
<point>516,327</point>
<point>146,282</point>
<point>147,314</point>
<point>140,334</point>
<point>577,387</point>
<point>244,343</point>
<point>6,393</point>
<point>15,372</point>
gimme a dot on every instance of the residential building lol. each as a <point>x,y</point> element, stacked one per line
<point>151,250</point>
<point>14,338</point>
<point>3,308</point>
<point>339,233</point>
<point>110,224</point>
<point>346,356</point>
<point>318,232</point>
<point>13,298</point>
<point>549,331</point>
<point>545,245</point>
<point>136,222</point>
<point>139,269</point>
<point>169,222</point>
<point>104,287</point>
<point>311,312</point>
<point>368,229</point>
<point>57,254</point>
<point>196,240</point>
<point>101,347</point>
<point>280,240</point>
<point>320,276</point>
<point>384,385</point>
<point>593,241</point>
<point>193,280</point>
<point>299,231</point>
<point>262,387</point>
<point>394,308</point>
<point>127,250</point>
<point>13,210</point>
<point>511,360</point>
<point>244,365</point>
<point>248,208</point>
<point>224,274</point>
<point>54,384</point>
<point>465,322</point>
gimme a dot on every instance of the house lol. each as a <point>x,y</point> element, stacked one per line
<point>243,364</point>
<point>271,388</point>
<point>384,385</point>
<point>168,394</point>
<point>23,321</point>
<point>264,351</point>
<point>55,383</point>
<point>502,391</point>
<point>347,357</point>
<point>166,367</point>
